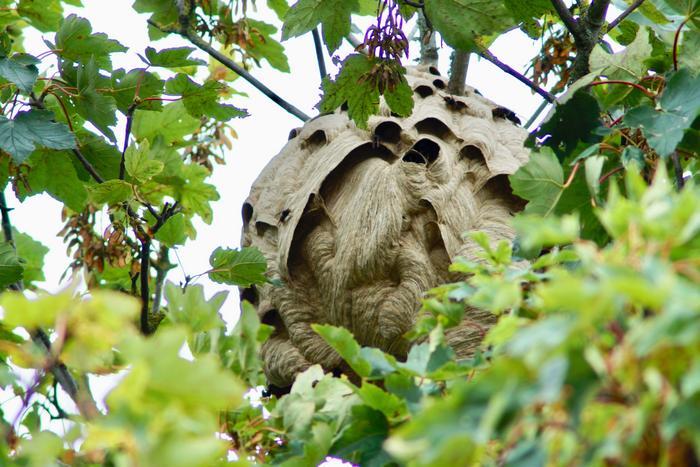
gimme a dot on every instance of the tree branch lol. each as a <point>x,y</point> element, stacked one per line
<point>318,46</point>
<point>161,272</point>
<point>145,294</point>
<point>459,63</point>
<point>428,46</point>
<point>590,25</point>
<point>6,224</point>
<point>517,75</point>
<point>677,170</point>
<point>567,18</point>
<point>200,43</point>
<point>614,23</point>
<point>595,15</point>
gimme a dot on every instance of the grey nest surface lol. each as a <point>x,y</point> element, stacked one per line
<point>358,224</point>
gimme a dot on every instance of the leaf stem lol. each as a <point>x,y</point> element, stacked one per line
<point>676,37</point>
<point>572,175</point>
<point>641,88</point>
<point>610,174</point>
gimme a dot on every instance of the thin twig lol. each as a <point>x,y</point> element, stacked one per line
<point>233,66</point>
<point>549,97</point>
<point>318,46</point>
<point>88,166</point>
<point>614,23</point>
<point>127,134</point>
<point>458,72</point>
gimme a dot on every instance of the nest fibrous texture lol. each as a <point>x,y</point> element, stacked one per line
<point>358,224</point>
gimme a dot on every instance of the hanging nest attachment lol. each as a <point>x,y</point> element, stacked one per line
<point>358,225</point>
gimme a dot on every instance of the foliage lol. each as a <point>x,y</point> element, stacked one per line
<point>594,359</point>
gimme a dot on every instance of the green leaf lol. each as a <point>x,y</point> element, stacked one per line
<point>104,157</point>
<point>164,14</point>
<point>540,182</point>
<point>172,124</point>
<point>241,350</point>
<point>627,64</point>
<point>173,57</point>
<point>280,7</point>
<point>21,70</point>
<point>193,194</point>
<point>345,344</point>
<point>537,232</point>
<point>77,43</point>
<point>679,105</point>
<point>95,106</point>
<point>32,254</point>
<point>173,233</point>
<point>202,100</point>
<point>44,15</point>
<point>111,192</point>
<point>400,99</point>
<point>265,47</point>
<point>361,442</point>
<point>140,164</point>
<point>571,122</point>
<point>361,96</point>
<point>334,15</point>
<point>237,267</point>
<point>190,307</point>
<point>387,403</point>
<point>126,85</point>
<point>426,358</point>
<point>30,129</point>
<point>67,187</point>
<point>525,11</point>
<point>11,267</point>
<point>464,23</point>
